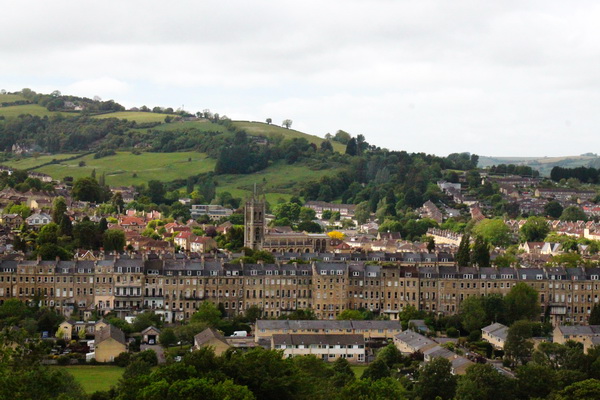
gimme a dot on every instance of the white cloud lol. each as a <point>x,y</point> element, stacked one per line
<point>495,78</point>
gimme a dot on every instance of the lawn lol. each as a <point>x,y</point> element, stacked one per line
<point>7,98</point>
<point>95,377</point>
<point>33,109</point>
<point>263,129</point>
<point>137,116</point>
<point>120,168</point>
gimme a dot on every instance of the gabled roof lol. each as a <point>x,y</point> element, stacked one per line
<point>110,332</point>
<point>207,335</point>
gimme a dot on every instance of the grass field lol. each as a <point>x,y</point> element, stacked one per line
<point>280,181</point>
<point>95,377</point>
<point>136,116</point>
<point>119,169</point>
<point>33,109</point>
<point>263,129</point>
<point>30,162</point>
<point>201,125</point>
<point>4,98</point>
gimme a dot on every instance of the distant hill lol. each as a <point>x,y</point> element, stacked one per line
<point>543,164</point>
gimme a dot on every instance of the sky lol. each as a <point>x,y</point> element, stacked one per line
<point>501,78</point>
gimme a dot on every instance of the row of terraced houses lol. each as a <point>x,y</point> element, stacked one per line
<point>176,287</point>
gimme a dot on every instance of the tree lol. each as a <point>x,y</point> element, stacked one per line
<point>59,208</point>
<point>436,380</point>
<point>48,234</point>
<point>376,370</point>
<point>481,253</point>
<point>167,337</point>
<point>381,389</point>
<point>81,334</point>
<point>156,191</point>
<point>522,302</point>
<point>553,209</point>
<point>349,314</point>
<point>534,230</point>
<point>595,315</point>
<point>518,346</point>
<point>87,189</point>
<point>472,313</point>
<point>431,244</point>
<point>114,240</point>
<point>494,231</point>
<point>573,213</point>
<point>117,202</point>
<point>362,212</point>
<point>207,313</point>
<point>351,147</point>
<point>342,373</point>
<point>269,121</point>
<point>535,381</point>
<point>463,256</point>
<point>484,382</point>
<point>584,390</point>
<point>342,137</point>
<point>287,123</point>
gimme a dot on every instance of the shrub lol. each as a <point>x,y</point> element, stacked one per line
<point>452,332</point>
<point>123,359</point>
<point>63,360</point>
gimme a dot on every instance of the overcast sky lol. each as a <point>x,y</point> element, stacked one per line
<point>503,78</point>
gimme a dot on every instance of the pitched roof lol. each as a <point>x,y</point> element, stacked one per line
<point>110,331</point>
<point>207,335</point>
<point>308,339</point>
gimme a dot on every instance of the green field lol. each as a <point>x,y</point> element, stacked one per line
<point>5,98</point>
<point>33,109</point>
<point>95,377</point>
<point>30,162</point>
<point>119,169</point>
<point>280,180</point>
<point>263,129</point>
<point>137,116</point>
<point>201,125</point>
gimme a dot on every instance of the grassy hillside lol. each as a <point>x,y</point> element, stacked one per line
<point>4,98</point>
<point>33,109</point>
<point>266,130</point>
<point>542,164</point>
<point>136,116</point>
<point>120,168</point>
<point>202,125</point>
<point>30,162</point>
<point>280,180</point>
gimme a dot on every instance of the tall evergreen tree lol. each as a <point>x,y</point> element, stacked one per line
<point>595,315</point>
<point>481,253</point>
<point>351,147</point>
<point>463,257</point>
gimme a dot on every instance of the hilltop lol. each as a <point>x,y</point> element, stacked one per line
<point>68,136</point>
<point>543,164</point>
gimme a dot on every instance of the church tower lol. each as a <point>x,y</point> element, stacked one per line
<point>254,223</point>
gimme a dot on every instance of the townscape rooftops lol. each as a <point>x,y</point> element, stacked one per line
<point>327,339</point>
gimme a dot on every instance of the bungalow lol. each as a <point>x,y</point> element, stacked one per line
<point>38,220</point>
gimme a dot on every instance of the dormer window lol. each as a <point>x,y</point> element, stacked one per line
<point>355,273</point>
<point>539,277</point>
